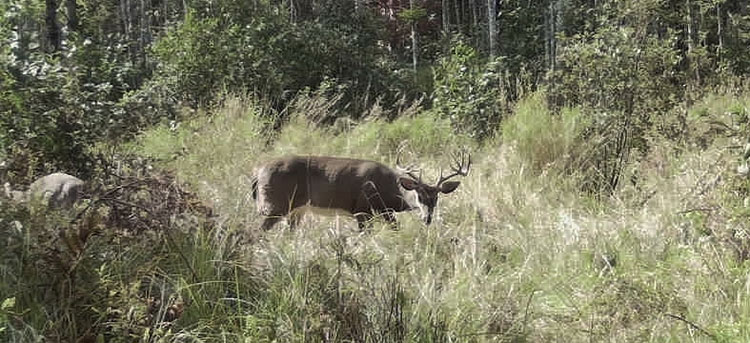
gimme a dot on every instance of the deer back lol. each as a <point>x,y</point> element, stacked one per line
<point>351,185</point>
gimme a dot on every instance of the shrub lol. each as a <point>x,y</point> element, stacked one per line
<point>545,140</point>
<point>473,94</point>
<point>626,81</point>
<point>266,54</point>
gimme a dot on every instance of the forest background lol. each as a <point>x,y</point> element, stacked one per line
<point>609,199</point>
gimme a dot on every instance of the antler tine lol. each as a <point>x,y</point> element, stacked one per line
<point>408,170</point>
<point>460,165</point>
<point>464,165</point>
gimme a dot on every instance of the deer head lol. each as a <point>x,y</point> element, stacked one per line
<point>427,195</point>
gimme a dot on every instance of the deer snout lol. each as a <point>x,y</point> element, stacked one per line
<point>427,216</point>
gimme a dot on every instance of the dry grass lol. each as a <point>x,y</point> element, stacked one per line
<point>517,254</point>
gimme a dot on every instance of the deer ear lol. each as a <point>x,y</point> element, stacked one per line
<point>449,186</point>
<point>407,183</point>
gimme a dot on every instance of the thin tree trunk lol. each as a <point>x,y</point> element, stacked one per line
<point>548,38</point>
<point>54,39</point>
<point>142,29</point>
<point>125,19</point>
<point>292,12</point>
<point>551,39</point>
<point>457,8</point>
<point>719,32</point>
<point>414,42</point>
<point>72,10</point>
<point>691,64</point>
<point>491,17</point>
<point>474,15</point>
<point>445,12</point>
<point>691,61</point>
<point>391,19</point>
<point>463,13</point>
<point>145,37</point>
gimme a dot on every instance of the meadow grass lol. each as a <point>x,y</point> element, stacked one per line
<point>517,254</point>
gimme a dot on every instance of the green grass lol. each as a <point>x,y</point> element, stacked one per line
<point>517,253</point>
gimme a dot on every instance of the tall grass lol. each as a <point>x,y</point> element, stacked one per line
<point>517,253</point>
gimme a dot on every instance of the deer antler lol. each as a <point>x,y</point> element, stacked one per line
<point>460,166</point>
<point>408,170</point>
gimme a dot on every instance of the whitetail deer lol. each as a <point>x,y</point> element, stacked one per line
<point>55,190</point>
<point>287,187</point>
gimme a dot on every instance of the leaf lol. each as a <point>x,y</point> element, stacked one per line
<point>8,304</point>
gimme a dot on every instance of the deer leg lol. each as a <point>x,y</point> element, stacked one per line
<point>363,220</point>
<point>293,219</point>
<point>391,219</point>
<point>269,222</point>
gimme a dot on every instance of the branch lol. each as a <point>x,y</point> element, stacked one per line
<point>692,325</point>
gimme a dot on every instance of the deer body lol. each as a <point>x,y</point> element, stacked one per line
<point>289,186</point>
<point>56,190</point>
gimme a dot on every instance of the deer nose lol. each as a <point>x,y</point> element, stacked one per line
<point>428,218</point>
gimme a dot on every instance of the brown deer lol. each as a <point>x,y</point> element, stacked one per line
<point>289,186</point>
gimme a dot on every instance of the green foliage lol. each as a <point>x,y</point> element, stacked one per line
<point>545,140</point>
<point>628,82</point>
<point>619,70</point>
<point>198,56</point>
<point>517,253</point>
<point>413,15</point>
<point>738,44</point>
<point>6,308</point>
<point>41,127</point>
<point>520,43</point>
<point>53,107</point>
<point>470,92</point>
<point>106,265</point>
<point>267,55</point>
<point>52,112</point>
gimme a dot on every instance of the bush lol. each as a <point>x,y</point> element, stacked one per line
<point>110,270</point>
<point>628,84</point>
<point>267,55</point>
<point>55,108</point>
<point>473,94</point>
<point>545,140</point>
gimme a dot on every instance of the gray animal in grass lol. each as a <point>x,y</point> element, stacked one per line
<point>57,190</point>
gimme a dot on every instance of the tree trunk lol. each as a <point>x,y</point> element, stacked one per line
<point>719,32</point>
<point>414,42</point>
<point>72,9</point>
<point>292,12</point>
<point>474,15</point>
<point>54,39</point>
<point>491,17</point>
<point>690,43</point>
<point>457,9</point>
<point>145,35</point>
<point>551,29</point>
<point>445,12</point>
